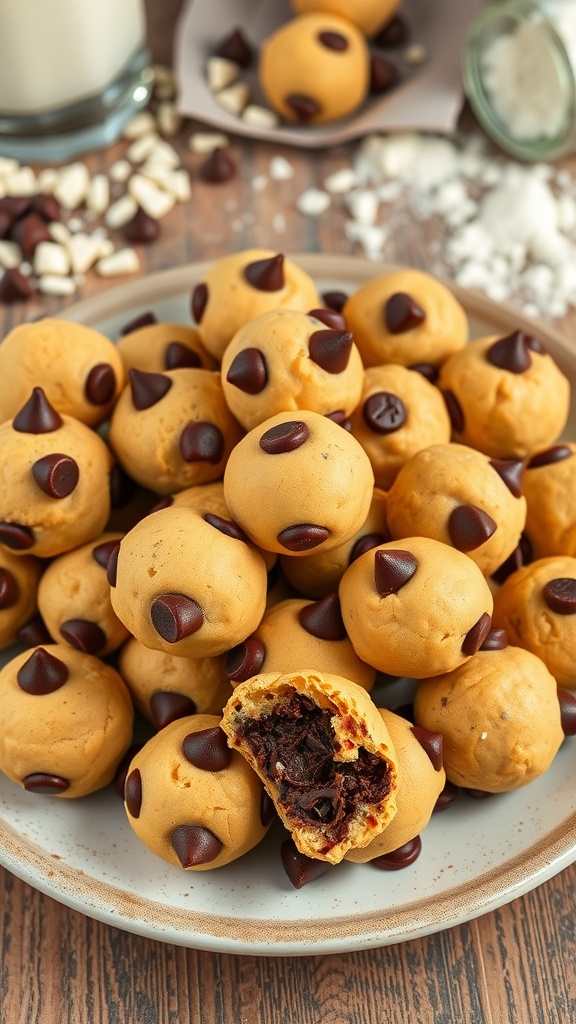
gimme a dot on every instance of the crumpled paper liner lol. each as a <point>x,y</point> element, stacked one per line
<point>429,97</point>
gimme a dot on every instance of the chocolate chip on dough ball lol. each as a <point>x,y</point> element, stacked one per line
<point>415,607</point>
<point>242,286</point>
<point>65,721</point>
<point>158,347</point>
<point>19,578</point>
<point>549,483</point>
<point>368,15</point>
<point>192,800</point>
<point>298,482</point>
<point>315,68</point>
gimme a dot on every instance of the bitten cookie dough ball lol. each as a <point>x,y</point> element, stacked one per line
<point>173,430</point>
<point>415,607</point>
<point>499,715</point>
<point>461,497</point>
<point>294,633</point>
<point>242,286</point>
<point>399,413</point>
<point>156,348</point>
<point>285,361</point>
<point>54,481</point>
<point>79,369</point>
<point>188,584</point>
<point>298,483</point>
<point>192,800</point>
<point>74,598</point>
<point>406,317</point>
<point>65,721</point>
<point>368,15</point>
<point>421,779</point>
<point>536,606</point>
<point>165,687</point>
<point>323,753</point>
<point>505,396</point>
<point>315,69</point>
<point>19,578</point>
<point>549,483</point>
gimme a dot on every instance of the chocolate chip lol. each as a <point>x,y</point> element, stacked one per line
<point>112,568</point>
<point>123,767</point>
<point>400,858</point>
<point>248,371</point>
<point>37,416</point>
<point>122,487</point>
<point>217,167</point>
<point>476,636</point>
<point>102,552</point>
<point>133,793</point>
<point>446,797</point>
<point>266,275</point>
<point>15,536</point>
<point>199,300</point>
<point>202,442</point>
<point>470,527</point>
<point>207,749</point>
<point>42,782</point>
<point>560,595</point>
<point>100,385</point>
<point>323,619</point>
<point>330,318</point>
<point>300,868</point>
<point>56,475</point>
<point>304,107</point>
<point>175,617</point>
<point>144,320</point>
<point>226,526</point>
<point>47,207</point>
<point>42,673</point>
<point>432,743</point>
<point>393,570</point>
<point>510,353</point>
<point>84,635</point>
<point>402,313</point>
<point>245,660</point>
<point>364,544</point>
<point>384,412</point>
<point>34,633</point>
<point>6,222</point>
<point>557,453</point>
<point>141,229</point>
<point>510,471</point>
<point>330,349</point>
<point>9,589</point>
<point>195,844</point>
<point>333,41</point>
<point>567,702</point>
<point>14,287</point>
<point>28,232</point>
<point>15,206</point>
<point>303,536</point>
<point>431,373</point>
<point>384,74</point>
<point>178,356</point>
<point>163,503</point>
<point>235,47</point>
<point>394,33</point>
<point>477,794</point>
<point>147,388</point>
<point>496,640</point>
<point>340,417</point>
<point>335,300</point>
<point>454,411</point>
<point>284,437</point>
<point>168,706</point>
<point>522,555</point>
<point>267,809</point>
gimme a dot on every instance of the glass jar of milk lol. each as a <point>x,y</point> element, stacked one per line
<point>520,76</point>
<point>72,73</point>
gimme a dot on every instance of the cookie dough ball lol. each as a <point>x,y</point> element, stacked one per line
<point>74,598</point>
<point>368,15</point>
<point>315,69</point>
<point>65,721</point>
<point>285,361</point>
<point>242,286</point>
<point>421,779</point>
<point>461,497</point>
<point>54,481</point>
<point>19,578</point>
<point>79,369</point>
<point>506,396</point>
<point>323,753</point>
<point>549,483</point>
<point>156,348</point>
<point>297,632</point>
<point>295,484</point>
<point>173,430</point>
<point>187,584</point>
<point>415,607</point>
<point>192,800</point>
<point>406,317</point>
<point>536,606</point>
<point>499,715</point>
<point>165,687</point>
<point>399,413</point>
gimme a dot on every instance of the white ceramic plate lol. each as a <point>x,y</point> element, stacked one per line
<point>476,855</point>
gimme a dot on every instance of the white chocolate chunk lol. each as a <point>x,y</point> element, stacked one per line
<point>141,124</point>
<point>313,202</point>
<point>51,258</point>
<point>259,117</point>
<point>340,181</point>
<point>123,261</point>
<point>153,200</point>
<point>52,284</point>
<point>142,147</point>
<point>58,232</point>
<point>8,166</point>
<point>164,153</point>
<point>207,142</point>
<point>72,187</point>
<point>47,180</point>
<point>120,171</point>
<point>176,182</point>
<point>98,198</point>
<point>221,72</point>
<point>120,212</point>
<point>280,169</point>
<point>84,251</point>
<point>10,255</point>
<point>21,182</point>
<point>234,98</point>
<point>169,119</point>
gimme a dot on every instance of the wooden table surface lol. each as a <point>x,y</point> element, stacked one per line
<point>516,964</point>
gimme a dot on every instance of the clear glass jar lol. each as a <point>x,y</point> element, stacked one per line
<point>520,76</point>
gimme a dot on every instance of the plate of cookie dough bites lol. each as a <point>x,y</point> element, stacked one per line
<point>287,605</point>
